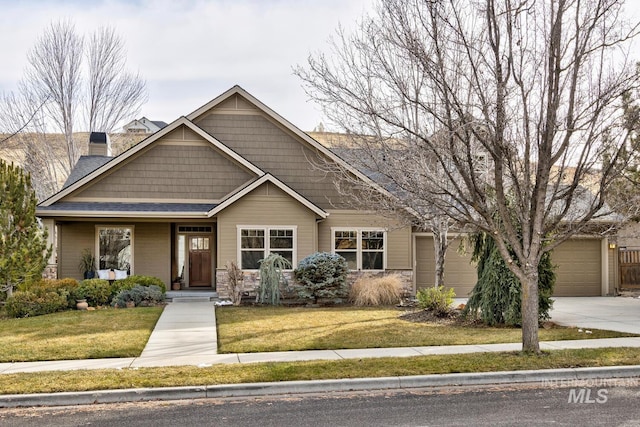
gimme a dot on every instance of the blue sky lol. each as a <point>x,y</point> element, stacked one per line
<point>190,51</point>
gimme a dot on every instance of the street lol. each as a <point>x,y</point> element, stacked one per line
<point>596,403</point>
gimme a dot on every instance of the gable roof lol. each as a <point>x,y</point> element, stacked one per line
<point>159,123</point>
<point>237,90</point>
<point>143,121</point>
<point>182,121</point>
<point>89,168</point>
<point>234,197</point>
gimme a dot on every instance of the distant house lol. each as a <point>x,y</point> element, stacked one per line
<point>144,125</point>
<point>235,181</point>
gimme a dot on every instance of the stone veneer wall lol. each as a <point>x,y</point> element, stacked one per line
<point>50,271</point>
<point>252,280</point>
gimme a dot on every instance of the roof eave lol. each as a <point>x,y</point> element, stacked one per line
<point>121,214</point>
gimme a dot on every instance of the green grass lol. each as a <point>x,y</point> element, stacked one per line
<point>50,382</point>
<point>259,329</point>
<point>77,335</point>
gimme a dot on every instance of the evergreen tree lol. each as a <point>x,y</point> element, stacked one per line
<point>23,242</point>
<point>497,296</point>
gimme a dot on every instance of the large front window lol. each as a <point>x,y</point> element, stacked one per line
<point>115,248</point>
<point>257,243</point>
<point>363,249</point>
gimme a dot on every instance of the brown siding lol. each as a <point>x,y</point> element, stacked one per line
<point>274,150</point>
<point>265,207</point>
<point>578,270</point>
<point>193,170</point>
<point>151,248</point>
<point>459,273</point>
<point>398,238</point>
<point>74,237</point>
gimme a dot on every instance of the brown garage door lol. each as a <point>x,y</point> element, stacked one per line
<point>578,272</point>
<point>579,268</point>
<point>459,274</point>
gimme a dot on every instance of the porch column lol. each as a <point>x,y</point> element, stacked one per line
<point>51,270</point>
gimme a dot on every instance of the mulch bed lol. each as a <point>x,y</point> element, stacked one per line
<point>423,316</point>
<point>453,318</point>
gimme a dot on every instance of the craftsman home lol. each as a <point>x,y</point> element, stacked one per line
<point>234,181</point>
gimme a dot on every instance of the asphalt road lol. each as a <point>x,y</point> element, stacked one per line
<point>610,404</point>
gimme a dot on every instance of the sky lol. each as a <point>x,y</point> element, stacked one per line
<point>190,51</point>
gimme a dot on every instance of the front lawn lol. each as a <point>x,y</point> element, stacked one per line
<point>260,329</point>
<point>174,376</point>
<point>74,334</point>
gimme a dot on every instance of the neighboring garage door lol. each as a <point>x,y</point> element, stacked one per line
<point>578,272</point>
<point>459,273</point>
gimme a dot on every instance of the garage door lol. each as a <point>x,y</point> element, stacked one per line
<point>578,272</point>
<point>579,268</point>
<point>459,273</point>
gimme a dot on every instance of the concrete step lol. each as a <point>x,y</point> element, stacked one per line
<point>191,299</point>
<point>191,296</point>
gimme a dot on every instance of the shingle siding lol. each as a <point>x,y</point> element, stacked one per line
<point>274,150</point>
<point>196,172</point>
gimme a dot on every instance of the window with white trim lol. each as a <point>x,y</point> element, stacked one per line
<point>364,249</point>
<point>256,243</point>
<point>115,248</point>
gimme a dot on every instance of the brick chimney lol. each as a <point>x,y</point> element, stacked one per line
<point>99,144</point>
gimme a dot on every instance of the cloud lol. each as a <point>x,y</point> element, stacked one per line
<point>192,50</point>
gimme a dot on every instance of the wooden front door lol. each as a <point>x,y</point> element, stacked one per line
<point>199,261</point>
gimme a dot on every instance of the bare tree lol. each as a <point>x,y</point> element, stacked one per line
<point>114,93</point>
<point>535,85</point>
<point>41,154</point>
<point>54,74</point>
<point>55,97</point>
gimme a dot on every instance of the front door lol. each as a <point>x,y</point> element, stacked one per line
<point>199,261</point>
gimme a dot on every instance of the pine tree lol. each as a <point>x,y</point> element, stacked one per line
<point>23,241</point>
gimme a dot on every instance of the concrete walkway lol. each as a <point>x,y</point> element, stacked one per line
<point>186,335</point>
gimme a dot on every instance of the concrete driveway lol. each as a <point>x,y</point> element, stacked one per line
<point>612,313</point>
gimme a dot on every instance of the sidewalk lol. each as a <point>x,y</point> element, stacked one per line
<point>186,335</point>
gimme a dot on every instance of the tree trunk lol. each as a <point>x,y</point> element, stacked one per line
<point>440,244</point>
<point>530,341</point>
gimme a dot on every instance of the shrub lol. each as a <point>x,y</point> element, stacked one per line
<point>497,296</point>
<point>140,295</point>
<point>97,292</point>
<point>385,290</point>
<point>131,281</point>
<point>436,300</point>
<point>322,275</point>
<point>29,304</point>
<point>63,287</point>
<point>271,277</point>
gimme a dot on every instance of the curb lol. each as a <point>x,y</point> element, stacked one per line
<point>561,376</point>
